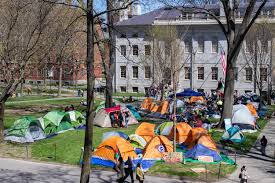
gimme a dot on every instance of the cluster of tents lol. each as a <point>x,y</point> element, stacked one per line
<point>149,144</point>
<point>103,115</point>
<point>29,129</point>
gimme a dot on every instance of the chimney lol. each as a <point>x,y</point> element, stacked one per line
<point>136,8</point>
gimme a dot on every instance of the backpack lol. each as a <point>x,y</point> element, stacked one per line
<point>240,175</point>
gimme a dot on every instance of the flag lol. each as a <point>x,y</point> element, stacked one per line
<point>223,62</point>
<point>117,154</point>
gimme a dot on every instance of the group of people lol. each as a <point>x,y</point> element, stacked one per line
<point>125,169</point>
<point>118,117</point>
<point>69,108</point>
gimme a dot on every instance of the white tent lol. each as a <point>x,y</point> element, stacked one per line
<point>103,119</point>
<point>243,117</point>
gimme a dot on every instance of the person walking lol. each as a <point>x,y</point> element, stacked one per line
<point>140,173</point>
<point>129,169</point>
<point>121,172</point>
<point>243,175</point>
<point>263,145</point>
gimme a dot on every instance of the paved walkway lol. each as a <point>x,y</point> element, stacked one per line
<point>19,171</point>
<point>260,169</point>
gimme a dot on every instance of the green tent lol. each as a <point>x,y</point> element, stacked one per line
<point>26,129</point>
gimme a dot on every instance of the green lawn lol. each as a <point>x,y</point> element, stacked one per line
<point>30,97</point>
<point>129,94</point>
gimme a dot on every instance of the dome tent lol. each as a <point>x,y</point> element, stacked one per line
<point>109,149</point>
<point>137,141</point>
<point>154,151</point>
<point>164,128</point>
<point>234,135</point>
<point>103,119</point>
<point>205,146</point>
<point>243,118</point>
<point>146,131</point>
<point>183,130</point>
<point>25,130</point>
<point>114,133</point>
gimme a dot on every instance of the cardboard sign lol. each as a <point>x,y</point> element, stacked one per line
<point>207,159</point>
<point>173,157</point>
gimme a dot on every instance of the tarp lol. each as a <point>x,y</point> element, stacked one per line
<point>146,131</point>
<point>113,109</point>
<point>187,93</point>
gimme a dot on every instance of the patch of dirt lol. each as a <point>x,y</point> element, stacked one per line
<point>9,150</point>
<point>32,110</point>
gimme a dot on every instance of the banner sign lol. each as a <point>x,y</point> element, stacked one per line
<point>173,157</point>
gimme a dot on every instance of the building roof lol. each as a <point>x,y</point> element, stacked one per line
<point>170,13</point>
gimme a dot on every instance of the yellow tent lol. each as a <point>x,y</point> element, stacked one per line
<point>156,147</point>
<point>196,99</point>
<point>107,149</point>
<point>182,132</point>
<point>252,109</point>
<point>146,131</point>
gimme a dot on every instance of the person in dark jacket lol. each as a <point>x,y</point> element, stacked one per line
<point>129,169</point>
<point>263,145</point>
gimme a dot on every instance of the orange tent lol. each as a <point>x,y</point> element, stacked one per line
<point>164,107</point>
<point>252,109</point>
<point>107,149</point>
<point>207,141</point>
<point>146,104</point>
<point>196,99</point>
<point>156,147</point>
<point>195,134</point>
<point>146,131</point>
<point>182,132</point>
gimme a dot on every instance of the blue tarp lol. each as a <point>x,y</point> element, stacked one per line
<point>187,93</point>
<point>201,150</point>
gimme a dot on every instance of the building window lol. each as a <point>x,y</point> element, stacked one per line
<point>201,73</point>
<point>123,71</point>
<point>236,70</point>
<point>147,50</point>
<point>123,89</point>
<point>135,35</point>
<point>263,74</point>
<point>123,36</point>
<point>123,50</point>
<point>247,91</point>
<point>135,50</point>
<point>188,46</point>
<point>214,73</point>
<point>264,46</point>
<point>146,90</point>
<point>187,73</point>
<point>201,45</point>
<point>135,72</point>
<point>248,74</point>
<point>147,72</point>
<point>135,89</point>
<point>215,45</point>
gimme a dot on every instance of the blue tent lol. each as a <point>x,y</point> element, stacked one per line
<point>187,93</point>
<point>134,111</point>
<point>201,150</point>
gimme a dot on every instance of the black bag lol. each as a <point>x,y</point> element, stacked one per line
<point>240,175</point>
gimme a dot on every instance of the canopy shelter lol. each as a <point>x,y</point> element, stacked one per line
<point>187,93</point>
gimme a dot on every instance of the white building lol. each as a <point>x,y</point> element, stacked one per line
<point>202,39</point>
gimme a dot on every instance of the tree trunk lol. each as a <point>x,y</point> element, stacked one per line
<point>110,66</point>
<point>60,81</point>
<point>174,114</point>
<point>2,110</point>
<point>21,88</point>
<point>88,142</point>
